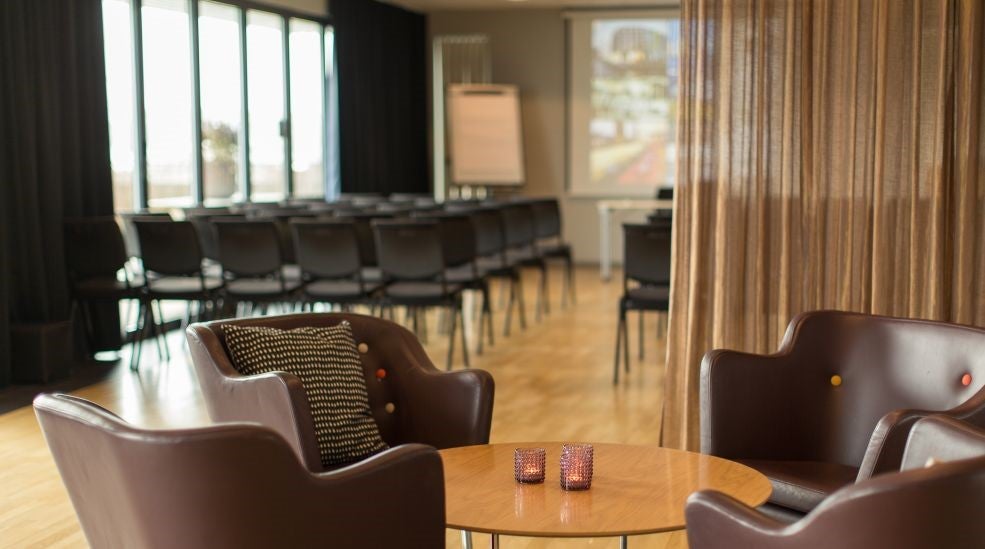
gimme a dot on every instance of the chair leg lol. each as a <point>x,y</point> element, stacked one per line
<point>619,329</point>
<point>520,301</point>
<point>487,312</point>
<point>545,282</point>
<point>570,266</point>
<point>465,347</point>
<point>509,310</point>
<point>160,334</point>
<point>625,340</point>
<point>139,335</point>
<point>451,342</point>
<point>641,335</point>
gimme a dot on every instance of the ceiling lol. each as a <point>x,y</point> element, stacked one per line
<point>458,5</point>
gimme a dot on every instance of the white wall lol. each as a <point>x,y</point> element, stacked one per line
<point>528,49</point>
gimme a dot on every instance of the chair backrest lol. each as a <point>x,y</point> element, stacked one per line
<point>363,224</point>
<point>547,217</point>
<point>281,219</point>
<point>326,248</point>
<point>409,250</point>
<point>223,486</point>
<point>518,224</point>
<point>169,247</point>
<point>646,256</point>
<point>885,364</point>
<point>458,238</point>
<point>206,231</point>
<point>94,247</point>
<point>130,232</point>
<point>488,225</point>
<point>248,248</point>
<point>942,438</point>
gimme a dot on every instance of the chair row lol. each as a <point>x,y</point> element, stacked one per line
<point>417,262</point>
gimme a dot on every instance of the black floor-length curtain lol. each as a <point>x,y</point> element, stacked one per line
<point>382,97</point>
<point>54,153</point>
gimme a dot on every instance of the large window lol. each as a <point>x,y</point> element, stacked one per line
<point>212,103</point>
<point>222,104</point>
<point>622,101</point>
<point>168,103</point>
<point>307,108</point>
<point>118,38</point>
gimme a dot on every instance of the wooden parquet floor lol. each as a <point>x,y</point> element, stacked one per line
<point>553,382</point>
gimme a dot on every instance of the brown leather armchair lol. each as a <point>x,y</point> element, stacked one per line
<point>415,402</point>
<point>938,507</point>
<point>786,415</point>
<point>233,486</point>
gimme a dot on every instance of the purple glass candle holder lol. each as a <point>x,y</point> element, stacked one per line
<point>576,466</point>
<point>528,465</point>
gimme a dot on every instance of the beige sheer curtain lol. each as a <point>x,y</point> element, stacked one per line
<point>832,155</point>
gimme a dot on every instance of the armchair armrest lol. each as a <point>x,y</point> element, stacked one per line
<point>751,407</point>
<point>449,408</point>
<point>715,520</point>
<point>884,453</point>
<point>394,498</point>
<point>275,400</point>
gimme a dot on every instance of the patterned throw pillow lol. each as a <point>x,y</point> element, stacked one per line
<point>327,363</point>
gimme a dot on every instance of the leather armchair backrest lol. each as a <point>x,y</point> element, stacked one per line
<point>383,345</point>
<point>884,364</point>
<point>221,486</point>
<point>942,438</point>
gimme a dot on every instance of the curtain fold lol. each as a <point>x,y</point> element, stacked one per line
<point>54,153</point>
<point>383,132</point>
<point>832,156</point>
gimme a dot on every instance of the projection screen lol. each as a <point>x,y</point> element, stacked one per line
<point>622,101</point>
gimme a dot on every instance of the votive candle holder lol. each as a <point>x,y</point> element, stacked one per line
<point>577,466</point>
<point>529,464</point>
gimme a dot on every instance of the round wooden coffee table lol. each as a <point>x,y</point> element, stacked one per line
<point>635,490</point>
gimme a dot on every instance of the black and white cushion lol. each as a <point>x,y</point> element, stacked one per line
<point>327,362</point>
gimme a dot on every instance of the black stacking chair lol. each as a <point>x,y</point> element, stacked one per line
<point>459,245</point>
<point>547,227</point>
<point>362,222</point>
<point>646,264</point>
<point>331,269</point>
<point>173,269</point>
<point>411,258</point>
<point>520,240</point>
<point>96,260</point>
<point>252,266</point>
<point>492,262</point>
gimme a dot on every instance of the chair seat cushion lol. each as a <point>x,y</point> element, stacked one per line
<point>802,485</point>
<point>104,288</point>
<point>338,289</point>
<point>425,291</point>
<point>183,285</point>
<point>372,274</point>
<point>465,274</point>
<point>644,297</point>
<point>260,287</point>
<point>327,362</point>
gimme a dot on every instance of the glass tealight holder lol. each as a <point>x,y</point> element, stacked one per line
<point>528,465</point>
<point>576,466</point>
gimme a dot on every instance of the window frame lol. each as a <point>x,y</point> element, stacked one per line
<point>197,189</point>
